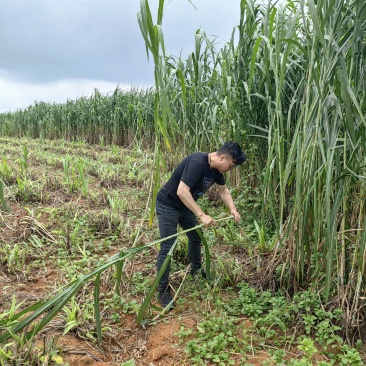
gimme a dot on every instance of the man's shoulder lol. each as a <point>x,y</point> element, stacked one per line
<point>196,159</point>
<point>199,156</point>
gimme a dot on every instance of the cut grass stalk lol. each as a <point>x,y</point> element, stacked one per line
<point>54,305</point>
<point>151,292</point>
<point>97,308</point>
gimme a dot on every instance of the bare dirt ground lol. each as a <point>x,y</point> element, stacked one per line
<point>157,345</point>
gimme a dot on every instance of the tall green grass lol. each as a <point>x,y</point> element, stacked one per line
<point>296,81</point>
<point>119,118</point>
<point>307,70</point>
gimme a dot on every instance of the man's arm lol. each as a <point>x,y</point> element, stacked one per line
<point>228,201</point>
<point>185,195</point>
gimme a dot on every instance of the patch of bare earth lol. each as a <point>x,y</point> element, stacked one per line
<point>156,345</point>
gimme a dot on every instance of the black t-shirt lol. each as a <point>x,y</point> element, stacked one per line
<point>194,170</point>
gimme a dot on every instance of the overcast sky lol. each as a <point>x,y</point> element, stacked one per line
<point>54,50</point>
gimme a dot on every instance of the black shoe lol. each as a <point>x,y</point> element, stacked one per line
<point>198,271</point>
<point>166,299</point>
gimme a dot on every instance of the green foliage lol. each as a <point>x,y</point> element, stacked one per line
<point>215,341</point>
<point>307,346</point>
<point>15,256</point>
<point>114,119</point>
<point>119,304</point>
<point>129,363</point>
<point>3,204</point>
<point>5,353</point>
<point>6,172</point>
<point>71,315</point>
<point>249,302</point>
<point>27,191</point>
<point>140,283</point>
<point>70,178</point>
<point>23,161</point>
<point>350,357</point>
<point>274,316</point>
<point>83,177</point>
<point>21,352</point>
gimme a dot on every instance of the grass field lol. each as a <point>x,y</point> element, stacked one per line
<point>67,208</point>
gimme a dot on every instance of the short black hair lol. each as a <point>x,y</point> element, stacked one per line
<point>234,151</point>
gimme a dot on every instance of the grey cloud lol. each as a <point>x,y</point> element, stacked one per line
<point>71,39</point>
<point>49,41</point>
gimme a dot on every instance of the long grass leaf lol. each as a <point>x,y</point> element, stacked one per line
<point>155,284</point>
<point>207,255</point>
<point>97,308</point>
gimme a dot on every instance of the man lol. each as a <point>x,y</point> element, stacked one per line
<point>176,204</point>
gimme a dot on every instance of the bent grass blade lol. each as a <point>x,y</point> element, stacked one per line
<point>55,304</point>
<point>150,294</point>
<point>97,308</point>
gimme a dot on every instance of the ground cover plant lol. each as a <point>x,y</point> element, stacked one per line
<point>52,236</point>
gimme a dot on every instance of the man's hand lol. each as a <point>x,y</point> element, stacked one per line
<point>236,216</point>
<point>206,220</point>
<point>229,203</point>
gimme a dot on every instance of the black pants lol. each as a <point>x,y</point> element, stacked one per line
<point>169,217</point>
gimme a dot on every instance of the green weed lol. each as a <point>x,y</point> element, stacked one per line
<point>216,340</point>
